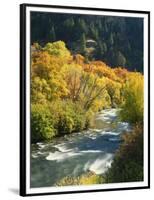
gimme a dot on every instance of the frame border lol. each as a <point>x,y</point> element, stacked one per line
<point>23,98</point>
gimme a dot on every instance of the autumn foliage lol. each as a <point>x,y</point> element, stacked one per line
<point>66,90</point>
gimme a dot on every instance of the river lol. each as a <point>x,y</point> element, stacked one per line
<point>74,154</point>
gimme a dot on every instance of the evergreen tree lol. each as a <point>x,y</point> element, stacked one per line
<point>111,40</point>
<point>83,44</point>
<point>116,32</point>
<point>120,59</point>
<point>52,35</point>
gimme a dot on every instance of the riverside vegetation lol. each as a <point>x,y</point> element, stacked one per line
<point>68,90</point>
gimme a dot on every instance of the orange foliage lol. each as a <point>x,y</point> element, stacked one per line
<point>121,72</point>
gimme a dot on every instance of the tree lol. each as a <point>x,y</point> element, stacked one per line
<point>52,34</point>
<point>111,39</point>
<point>114,90</point>
<point>120,59</point>
<point>83,43</point>
<point>132,109</point>
<point>47,73</point>
<point>101,49</point>
<point>69,23</point>
<point>115,32</point>
<point>82,25</point>
<point>59,49</point>
<point>127,165</point>
<point>73,75</point>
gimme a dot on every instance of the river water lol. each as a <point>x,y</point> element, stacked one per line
<point>74,154</point>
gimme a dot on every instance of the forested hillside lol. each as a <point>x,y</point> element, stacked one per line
<point>118,41</point>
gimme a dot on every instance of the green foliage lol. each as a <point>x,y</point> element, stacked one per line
<point>71,118</point>
<point>114,89</point>
<point>65,124</point>
<point>42,125</point>
<point>128,162</point>
<point>69,23</point>
<point>122,45</point>
<point>111,40</point>
<point>83,44</point>
<point>120,59</point>
<point>52,34</point>
<point>56,119</point>
<point>132,109</point>
<point>59,49</point>
<point>65,119</point>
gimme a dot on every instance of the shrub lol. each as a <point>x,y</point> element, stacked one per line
<point>57,118</point>
<point>42,123</point>
<point>79,122</point>
<point>71,118</point>
<point>66,181</point>
<point>65,123</point>
<point>128,162</point>
<point>79,116</point>
<point>90,179</point>
<point>85,179</point>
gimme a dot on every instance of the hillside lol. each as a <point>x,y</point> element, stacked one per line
<point>118,41</point>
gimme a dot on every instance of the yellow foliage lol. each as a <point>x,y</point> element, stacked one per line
<point>133,98</point>
<point>90,179</point>
<point>56,74</point>
<point>85,179</point>
<point>58,49</point>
